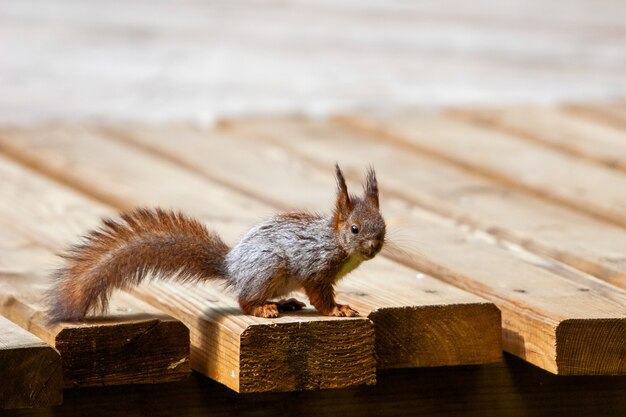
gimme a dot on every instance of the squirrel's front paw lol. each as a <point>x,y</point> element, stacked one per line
<point>343,310</point>
<point>268,311</point>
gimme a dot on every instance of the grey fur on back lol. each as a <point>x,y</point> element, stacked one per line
<point>289,249</point>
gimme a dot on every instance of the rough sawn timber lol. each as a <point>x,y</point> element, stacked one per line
<point>30,368</point>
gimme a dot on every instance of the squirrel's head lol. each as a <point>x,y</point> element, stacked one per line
<point>357,220</point>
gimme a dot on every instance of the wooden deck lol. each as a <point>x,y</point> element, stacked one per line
<point>509,232</point>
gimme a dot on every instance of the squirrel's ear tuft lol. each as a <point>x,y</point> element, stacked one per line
<point>344,204</point>
<point>371,187</point>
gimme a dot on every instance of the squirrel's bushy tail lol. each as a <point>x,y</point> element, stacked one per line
<point>120,254</point>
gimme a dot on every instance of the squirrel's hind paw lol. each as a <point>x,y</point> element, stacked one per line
<point>273,309</point>
<point>268,311</point>
<point>343,310</point>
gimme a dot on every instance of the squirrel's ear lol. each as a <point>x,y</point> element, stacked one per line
<point>371,187</point>
<point>344,204</point>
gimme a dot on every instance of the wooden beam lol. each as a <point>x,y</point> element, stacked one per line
<point>514,162</point>
<point>134,344</point>
<point>300,351</point>
<point>541,321</point>
<point>245,353</point>
<point>31,369</point>
<point>555,128</point>
<point>462,328</point>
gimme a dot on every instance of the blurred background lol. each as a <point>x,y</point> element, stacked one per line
<point>158,60</point>
<point>519,205</point>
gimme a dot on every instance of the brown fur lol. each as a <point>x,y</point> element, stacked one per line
<point>322,297</point>
<point>122,254</point>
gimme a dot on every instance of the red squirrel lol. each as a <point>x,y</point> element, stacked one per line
<point>288,252</point>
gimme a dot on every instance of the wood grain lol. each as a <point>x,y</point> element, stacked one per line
<point>535,294</point>
<point>31,369</point>
<point>299,351</point>
<point>544,172</point>
<point>462,328</point>
<point>555,128</point>
<point>538,305</point>
<point>247,354</point>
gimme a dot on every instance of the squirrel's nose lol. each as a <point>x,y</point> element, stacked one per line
<point>374,245</point>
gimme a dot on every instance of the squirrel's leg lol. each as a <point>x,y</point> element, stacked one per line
<point>322,297</point>
<point>258,308</point>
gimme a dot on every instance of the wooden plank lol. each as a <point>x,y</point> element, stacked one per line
<point>294,352</point>
<point>247,354</point>
<point>401,313</point>
<point>557,129</point>
<point>134,344</point>
<point>541,321</point>
<point>512,161</point>
<point>31,369</point>
<point>267,163</point>
<point>611,114</point>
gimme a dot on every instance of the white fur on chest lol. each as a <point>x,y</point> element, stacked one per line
<point>353,262</point>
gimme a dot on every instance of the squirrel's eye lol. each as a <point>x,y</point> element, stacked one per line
<point>354,229</point>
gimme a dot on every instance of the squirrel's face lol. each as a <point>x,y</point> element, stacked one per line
<point>364,231</point>
<point>360,226</point>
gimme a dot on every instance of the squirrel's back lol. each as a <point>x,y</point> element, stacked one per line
<point>287,251</point>
<point>120,254</point>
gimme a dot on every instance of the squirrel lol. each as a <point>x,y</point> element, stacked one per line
<point>291,251</point>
